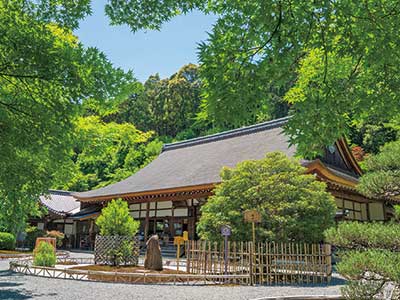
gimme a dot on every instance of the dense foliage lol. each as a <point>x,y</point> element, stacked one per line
<point>116,220</point>
<point>44,255</point>
<point>369,258</point>
<point>370,252</point>
<point>105,153</point>
<point>339,59</point>
<point>7,241</point>
<point>383,172</point>
<point>294,206</point>
<point>167,106</point>
<point>45,74</point>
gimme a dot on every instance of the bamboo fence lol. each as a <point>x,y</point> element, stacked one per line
<point>264,263</point>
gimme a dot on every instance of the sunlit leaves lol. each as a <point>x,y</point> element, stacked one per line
<point>252,58</point>
<point>45,75</point>
<point>293,205</point>
<point>105,153</point>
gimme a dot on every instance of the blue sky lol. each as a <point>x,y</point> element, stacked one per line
<point>149,52</point>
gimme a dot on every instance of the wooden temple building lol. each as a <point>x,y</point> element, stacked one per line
<point>167,194</point>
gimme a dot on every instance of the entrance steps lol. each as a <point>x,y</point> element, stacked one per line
<point>166,250</point>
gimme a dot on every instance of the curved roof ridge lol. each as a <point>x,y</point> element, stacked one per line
<point>227,134</point>
<point>60,192</point>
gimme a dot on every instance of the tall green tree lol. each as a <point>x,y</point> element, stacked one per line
<point>45,75</point>
<point>369,252</point>
<point>116,220</point>
<point>258,50</point>
<point>105,153</point>
<point>294,205</point>
<point>167,106</point>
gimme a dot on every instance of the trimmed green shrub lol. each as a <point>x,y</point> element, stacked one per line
<point>45,255</point>
<point>116,220</point>
<point>369,258</point>
<point>7,241</point>
<point>294,206</point>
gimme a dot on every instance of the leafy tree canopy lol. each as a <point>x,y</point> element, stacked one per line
<point>45,75</point>
<point>339,59</point>
<point>116,220</point>
<point>166,106</point>
<point>105,153</point>
<point>294,206</point>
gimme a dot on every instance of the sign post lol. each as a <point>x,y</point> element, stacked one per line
<point>226,232</point>
<point>253,216</point>
<point>178,241</point>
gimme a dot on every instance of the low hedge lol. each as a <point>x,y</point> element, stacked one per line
<point>7,241</point>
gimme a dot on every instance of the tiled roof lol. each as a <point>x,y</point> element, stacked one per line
<point>60,202</point>
<point>199,161</point>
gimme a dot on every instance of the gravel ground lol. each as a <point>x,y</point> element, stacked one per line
<point>20,287</point>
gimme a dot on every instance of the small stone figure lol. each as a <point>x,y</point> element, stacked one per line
<point>153,259</point>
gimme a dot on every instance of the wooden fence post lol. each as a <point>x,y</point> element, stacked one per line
<point>251,263</point>
<point>188,256</point>
<point>328,255</point>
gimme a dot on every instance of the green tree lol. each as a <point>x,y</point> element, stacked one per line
<point>294,205</point>
<point>116,220</point>
<point>44,255</point>
<point>382,177</point>
<point>166,106</point>
<point>256,52</point>
<point>370,252</point>
<point>369,258</point>
<point>45,76</point>
<point>105,153</point>
<point>371,135</point>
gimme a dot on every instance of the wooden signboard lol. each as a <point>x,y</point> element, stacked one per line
<point>252,215</point>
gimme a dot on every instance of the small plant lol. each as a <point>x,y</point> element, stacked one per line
<point>59,236</point>
<point>44,255</point>
<point>116,220</point>
<point>7,241</point>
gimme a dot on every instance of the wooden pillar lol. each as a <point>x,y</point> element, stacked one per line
<point>146,224</point>
<point>172,225</point>
<point>91,222</point>
<point>194,221</point>
<point>155,218</point>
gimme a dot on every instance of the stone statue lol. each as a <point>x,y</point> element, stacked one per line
<point>153,259</point>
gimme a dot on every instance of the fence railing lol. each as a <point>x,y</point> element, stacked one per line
<point>272,263</point>
<point>25,267</point>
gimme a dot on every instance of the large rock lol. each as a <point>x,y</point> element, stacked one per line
<point>153,259</point>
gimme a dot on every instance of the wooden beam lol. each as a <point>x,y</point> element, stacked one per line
<point>146,224</point>
<point>153,193</point>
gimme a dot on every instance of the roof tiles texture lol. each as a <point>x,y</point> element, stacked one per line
<point>60,202</point>
<point>199,161</point>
